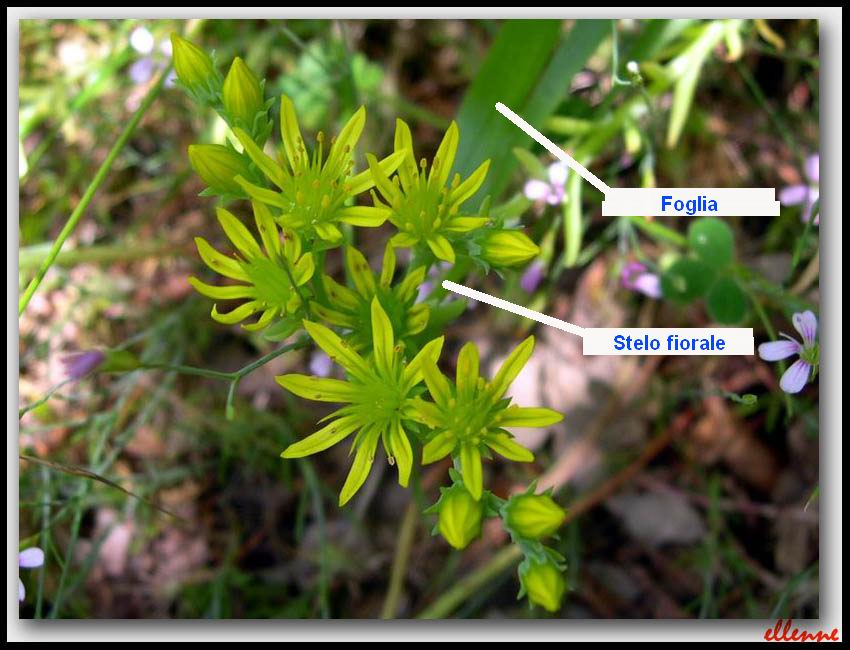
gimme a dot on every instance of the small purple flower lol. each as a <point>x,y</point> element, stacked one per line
<point>320,364</point>
<point>795,378</point>
<point>29,558</point>
<point>532,277</point>
<point>142,70</point>
<point>805,194</point>
<point>79,364</point>
<point>636,277</point>
<point>552,192</point>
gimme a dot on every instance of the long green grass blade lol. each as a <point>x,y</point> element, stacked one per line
<point>529,68</point>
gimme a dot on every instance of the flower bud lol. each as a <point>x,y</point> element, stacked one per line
<point>507,247</point>
<point>533,516</point>
<point>460,516</point>
<point>242,94</point>
<point>80,364</point>
<point>543,583</point>
<point>218,166</point>
<point>192,65</point>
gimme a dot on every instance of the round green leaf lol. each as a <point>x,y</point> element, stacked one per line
<point>726,301</point>
<point>712,240</point>
<point>686,280</point>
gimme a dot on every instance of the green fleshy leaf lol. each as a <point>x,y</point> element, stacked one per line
<point>726,302</point>
<point>686,280</point>
<point>712,240</point>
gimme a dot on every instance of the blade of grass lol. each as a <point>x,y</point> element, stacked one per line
<point>91,190</point>
<point>80,471</point>
<point>529,68</point>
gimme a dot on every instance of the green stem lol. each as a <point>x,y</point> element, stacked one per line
<point>765,321</point>
<point>402,556</point>
<point>69,555</point>
<point>44,541</point>
<point>315,488</point>
<point>251,367</point>
<point>33,256</point>
<point>450,600</point>
<point>91,190</point>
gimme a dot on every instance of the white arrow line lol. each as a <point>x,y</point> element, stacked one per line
<point>514,309</point>
<point>554,149</point>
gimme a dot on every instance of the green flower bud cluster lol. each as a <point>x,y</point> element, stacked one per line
<point>239,99</point>
<point>530,518</point>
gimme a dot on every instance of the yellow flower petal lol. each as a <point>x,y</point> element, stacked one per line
<point>240,313</point>
<point>504,445</point>
<point>333,316</point>
<point>230,292</point>
<point>381,180</point>
<point>226,266</point>
<point>318,389</point>
<point>339,294</point>
<point>440,446</point>
<point>359,272</point>
<point>303,270</point>
<point>363,460</point>
<point>409,287</point>
<point>328,232</point>
<point>510,368</point>
<point>337,349</point>
<point>348,137</point>
<point>445,157</point>
<point>427,356</point>
<point>470,468</point>
<point>401,450</point>
<point>437,384</point>
<point>266,227</point>
<point>382,338</point>
<point>262,194</point>
<point>293,143</point>
<point>262,160</point>
<point>323,438</point>
<point>387,266</point>
<point>404,145</point>
<point>364,180</point>
<point>465,224</point>
<point>238,234</point>
<point>519,416</point>
<point>262,321</point>
<point>417,319</point>
<point>441,248</point>
<point>466,376</point>
<point>364,216</point>
<point>470,186</point>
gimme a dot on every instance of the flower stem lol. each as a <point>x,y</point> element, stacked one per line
<point>91,190</point>
<point>402,556</point>
<point>447,603</point>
